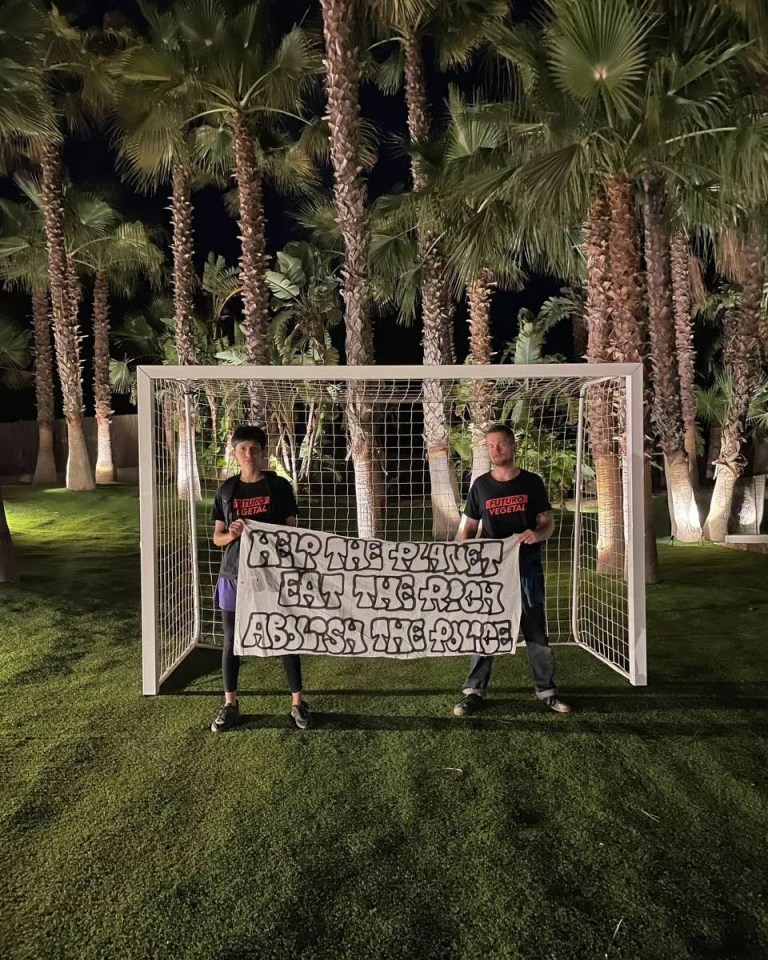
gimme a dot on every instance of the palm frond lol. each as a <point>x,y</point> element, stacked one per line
<point>461,27</point>
<point>122,377</point>
<point>213,150</point>
<point>387,74</point>
<point>14,345</point>
<point>598,51</point>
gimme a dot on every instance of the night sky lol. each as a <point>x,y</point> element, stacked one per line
<point>90,161</point>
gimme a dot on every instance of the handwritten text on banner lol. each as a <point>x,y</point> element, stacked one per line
<point>303,591</point>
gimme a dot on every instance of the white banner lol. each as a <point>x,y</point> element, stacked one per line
<point>302,591</point>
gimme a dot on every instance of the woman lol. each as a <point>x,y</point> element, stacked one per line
<point>253,494</point>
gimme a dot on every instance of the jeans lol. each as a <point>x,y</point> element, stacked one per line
<point>230,664</point>
<point>533,626</point>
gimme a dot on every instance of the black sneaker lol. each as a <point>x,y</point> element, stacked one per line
<point>226,718</point>
<point>553,703</point>
<point>300,715</point>
<point>468,705</point>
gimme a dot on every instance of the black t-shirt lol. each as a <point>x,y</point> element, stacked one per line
<point>506,507</point>
<point>269,500</point>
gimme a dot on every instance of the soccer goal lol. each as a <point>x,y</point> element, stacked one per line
<point>390,452</point>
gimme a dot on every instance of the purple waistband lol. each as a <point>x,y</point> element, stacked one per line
<point>225,594</point>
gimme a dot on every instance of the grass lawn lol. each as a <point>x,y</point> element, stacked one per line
<point>635,828</point>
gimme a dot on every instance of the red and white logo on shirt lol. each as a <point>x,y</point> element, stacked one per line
<point>251,506</point>
<point>499,506</point>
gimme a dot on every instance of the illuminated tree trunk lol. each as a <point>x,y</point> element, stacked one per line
<point>66,330</point>
<point>436,320</point>
<point>666,407</point>
<point>605,451</point>
<point>45,466</point>
<point>342,84</point>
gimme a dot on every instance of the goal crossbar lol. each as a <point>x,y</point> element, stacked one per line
<point>498,371</point>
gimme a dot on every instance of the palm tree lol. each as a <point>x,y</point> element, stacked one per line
<point>70,67</point>
<point>458,30</point>
<point>24,265</point>
<point>342,63</point>
<point>28,125</point>
<point>224,64</point>
<point>66,329</point>
<point>610,521</point>
<point>247,79</point>
<point>683,265</point>
<point>117,259</point>
<point>485,242</point>
<point>738,231</point>
<point>568,166</point>
<point>155,148</point>
<point>694,76</point>
<point>158,95</point>
<point>664,335</point>
<point>221,63</point>
<point>741,357</point>
<point>607,99</point>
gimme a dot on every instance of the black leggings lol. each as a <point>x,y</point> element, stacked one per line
<point>230,664</point>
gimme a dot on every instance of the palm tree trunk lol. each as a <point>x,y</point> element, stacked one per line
<point>608,481</point>
<point>741,353</point>
<point>666,409</point>
<point>45,467</point>
<point>9,571</point>
<point>629,320</point>
<point>169,431</point>
<point>213,410</point>
<point>445,511</point>
<point>479,296</point>
<point>79,473</point>
<point>714,434</point>
<point>686,355</point>
<point>66,333</point>
<point>187,470</point>
<point>105,469</point>
<point>417,103</point>
<point>253,262</point>
<point>184,282</point>
<point>580,335</point>
<point>253,246</point>
<point>342,83</point>
<point>184,279</point>
<point>716,524</point>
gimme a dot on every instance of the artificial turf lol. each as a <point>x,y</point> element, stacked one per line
<point>634,828</point>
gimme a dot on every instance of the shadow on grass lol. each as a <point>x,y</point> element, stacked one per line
<point>662,694</point>
<point>540,723</point>
<point>200,663</point>
<point>584,699</point>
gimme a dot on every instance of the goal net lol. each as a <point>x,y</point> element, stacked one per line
<point>390,453</point>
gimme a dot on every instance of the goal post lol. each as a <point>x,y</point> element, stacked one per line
<point>580,426</point>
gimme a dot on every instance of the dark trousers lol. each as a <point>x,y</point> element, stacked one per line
<point>541,659</point>
<point>230,664</point>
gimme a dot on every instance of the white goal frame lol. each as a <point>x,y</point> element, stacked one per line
<point>631,418</point>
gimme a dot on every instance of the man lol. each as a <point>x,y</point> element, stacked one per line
<point>253,494</point>
<point>509,501</point>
